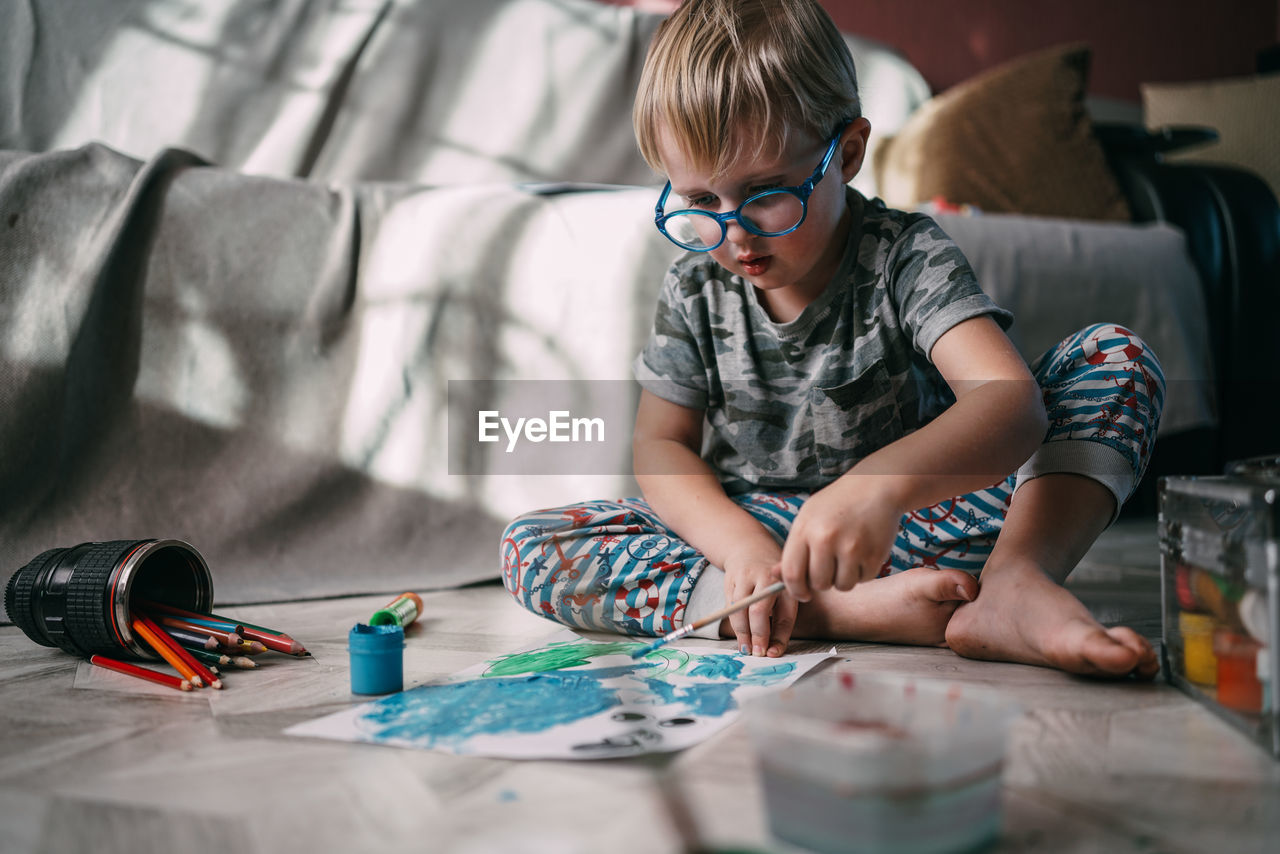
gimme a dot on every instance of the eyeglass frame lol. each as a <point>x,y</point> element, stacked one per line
<point>801,192</point>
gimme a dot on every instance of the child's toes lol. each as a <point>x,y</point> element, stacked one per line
<point>1147,664</point>
<point>1115,652</point>
<point>951,585</point>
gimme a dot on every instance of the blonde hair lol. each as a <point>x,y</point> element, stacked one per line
<point>716,68</point>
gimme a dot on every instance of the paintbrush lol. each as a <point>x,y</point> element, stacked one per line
<point>689,628</point>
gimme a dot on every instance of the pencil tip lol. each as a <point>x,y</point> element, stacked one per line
<point>217,683</point>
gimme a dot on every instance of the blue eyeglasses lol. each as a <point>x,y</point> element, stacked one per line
<point>771,213</point>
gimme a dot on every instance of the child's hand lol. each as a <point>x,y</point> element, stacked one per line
<point>842,535</point>
<point>763,628</point>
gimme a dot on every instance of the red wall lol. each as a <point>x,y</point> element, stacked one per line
<point>1134,41</point>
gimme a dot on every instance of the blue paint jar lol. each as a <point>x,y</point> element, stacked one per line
<point>377,658</point>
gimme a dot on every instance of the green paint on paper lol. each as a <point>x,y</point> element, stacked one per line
<point>556,656</point>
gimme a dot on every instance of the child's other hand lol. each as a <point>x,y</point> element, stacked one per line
<point>842,535</point>
<point>763,628</point>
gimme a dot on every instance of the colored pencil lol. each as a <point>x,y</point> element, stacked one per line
<point>141,672</point>
<point>175,611</point>
<point>274,641</point>
<point>211,659</point>
<point>200,620</point>
<point>213,628</point>
<point>197,640</point>
<point>209,677</point>
<point>164,651</point>
<point>246,647</point>
<point>229,640</point>
<point>226,638</point>
<point>241,647</point>
<point>689,628</point>
<point>193,640</point>
<point>270,638</point>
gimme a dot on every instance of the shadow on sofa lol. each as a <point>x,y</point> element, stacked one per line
<point>258,353</point>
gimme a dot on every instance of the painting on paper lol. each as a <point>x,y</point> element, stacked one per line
<point>570,698</point>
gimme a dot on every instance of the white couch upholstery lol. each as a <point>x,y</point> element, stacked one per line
<point>255,356</point>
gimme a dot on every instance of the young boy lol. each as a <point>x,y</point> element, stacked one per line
<point>821,367</point>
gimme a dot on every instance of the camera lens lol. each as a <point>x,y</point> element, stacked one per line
<point>78,598</point>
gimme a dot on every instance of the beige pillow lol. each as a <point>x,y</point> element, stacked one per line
<point>1014,139</point>
<point>1244,110</point>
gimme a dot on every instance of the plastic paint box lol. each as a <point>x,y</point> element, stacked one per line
<point>1220,580</point>
<point>880,763</point>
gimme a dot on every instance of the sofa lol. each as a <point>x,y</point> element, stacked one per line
<point>262,265</point>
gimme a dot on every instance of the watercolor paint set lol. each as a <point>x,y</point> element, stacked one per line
<point>1220,584</point>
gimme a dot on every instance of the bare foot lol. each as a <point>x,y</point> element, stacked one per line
<point>910,607</point>
<point>1022,615</point>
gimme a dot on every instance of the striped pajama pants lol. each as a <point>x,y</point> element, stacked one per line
<point>614,565</point>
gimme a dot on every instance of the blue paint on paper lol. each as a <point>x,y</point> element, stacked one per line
<point>527,693</point>
<point>451,714</point>
<point>769,675</point>
<point>709,698</point>
<point>718,667</point>
<point>665,691</point>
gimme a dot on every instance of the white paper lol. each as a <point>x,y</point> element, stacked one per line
<point>570,698</point>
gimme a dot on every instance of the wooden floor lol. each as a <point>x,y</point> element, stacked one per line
<point>85,766</point>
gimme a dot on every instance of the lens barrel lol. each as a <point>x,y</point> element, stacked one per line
<point>78,598</point>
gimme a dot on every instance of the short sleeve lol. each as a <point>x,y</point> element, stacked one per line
<point>931,282</point>
<point>671,365</point>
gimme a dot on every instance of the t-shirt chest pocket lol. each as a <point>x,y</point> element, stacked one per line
<point>852,420</point>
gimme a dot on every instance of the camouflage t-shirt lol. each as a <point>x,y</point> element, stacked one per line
<point>795,405</point>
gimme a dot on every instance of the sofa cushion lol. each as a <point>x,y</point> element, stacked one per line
<point>1060,275</point>
<point>1015,139</point>
<point>1244,110</point>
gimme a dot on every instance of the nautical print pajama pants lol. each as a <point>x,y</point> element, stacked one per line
<point>614,565</point>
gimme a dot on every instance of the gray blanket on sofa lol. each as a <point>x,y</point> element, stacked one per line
<point>178,356</point>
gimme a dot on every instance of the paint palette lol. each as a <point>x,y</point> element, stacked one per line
<point>863,763</point>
